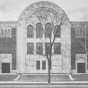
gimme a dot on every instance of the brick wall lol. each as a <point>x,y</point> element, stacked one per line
<point>8,46</point>
<point>76,47</point>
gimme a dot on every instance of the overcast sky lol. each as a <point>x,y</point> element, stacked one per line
<point>76,10</point>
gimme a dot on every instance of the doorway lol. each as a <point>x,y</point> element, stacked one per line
<point>5,67</point>
<point>80,67</point>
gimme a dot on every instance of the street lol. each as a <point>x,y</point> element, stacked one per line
<point>70,84</point>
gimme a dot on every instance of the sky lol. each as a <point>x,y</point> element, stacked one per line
<point>76,10</point>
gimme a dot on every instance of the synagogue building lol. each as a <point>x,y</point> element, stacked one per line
<point>24,43</point>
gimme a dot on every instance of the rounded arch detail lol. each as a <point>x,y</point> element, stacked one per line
<point>42,5</point>
<point>31,15</point>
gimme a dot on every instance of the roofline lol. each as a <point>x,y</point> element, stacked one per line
<point>8,21</point>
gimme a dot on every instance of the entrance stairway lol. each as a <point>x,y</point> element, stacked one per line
<point>44,77</point>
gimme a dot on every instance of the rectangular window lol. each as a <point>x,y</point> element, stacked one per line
<point>80,32</point>
<point>39,48</point>
<point>57,48</point>
<point>77,33</point>
<point>37,65</point>
<point>0,33</point>
<point>43,65</point>
<point>30,48</point>
<point>9,33</point>
<point>38,33</point>
<point>47,48</point>
<point>5,33</point>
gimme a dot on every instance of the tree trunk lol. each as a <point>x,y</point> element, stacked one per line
<point>48,70</point>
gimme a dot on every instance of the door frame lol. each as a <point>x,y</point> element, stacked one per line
<point>9,68</point>
<point>81,58</point>
<point>85,67</point>
<point>6,58</point>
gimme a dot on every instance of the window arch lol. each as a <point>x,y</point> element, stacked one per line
<point>57,31</point>
<point>30,31</point>
<point>47,29</point>
<point>39,30</point>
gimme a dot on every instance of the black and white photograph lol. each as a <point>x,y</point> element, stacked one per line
<point>43,43</point>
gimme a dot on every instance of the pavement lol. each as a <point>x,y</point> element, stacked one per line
<point>43,77</point>
<point>70,84</point>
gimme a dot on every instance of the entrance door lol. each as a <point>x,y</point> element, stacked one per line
<point>80,67</point>
<point>5,67</point>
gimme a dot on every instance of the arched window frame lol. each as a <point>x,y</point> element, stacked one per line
<point>30,31</point>
<point>57,31</point>
<point>48,30</point>
<point>39,30</point>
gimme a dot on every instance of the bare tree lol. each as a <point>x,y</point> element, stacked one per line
<point>82,36</point>
<point>51,33</point>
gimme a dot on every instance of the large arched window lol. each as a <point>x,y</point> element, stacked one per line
<point>39,30</point>
<point>48,30</point>
<point>57,31</point>
<point>30,31</point>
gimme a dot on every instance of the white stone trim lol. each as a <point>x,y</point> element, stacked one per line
<point>84,60</point>
<point>22,34</point>
<point>6,58</point>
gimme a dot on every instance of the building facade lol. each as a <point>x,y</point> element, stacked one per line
<point>24,44</point>
<point>8,47</point>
